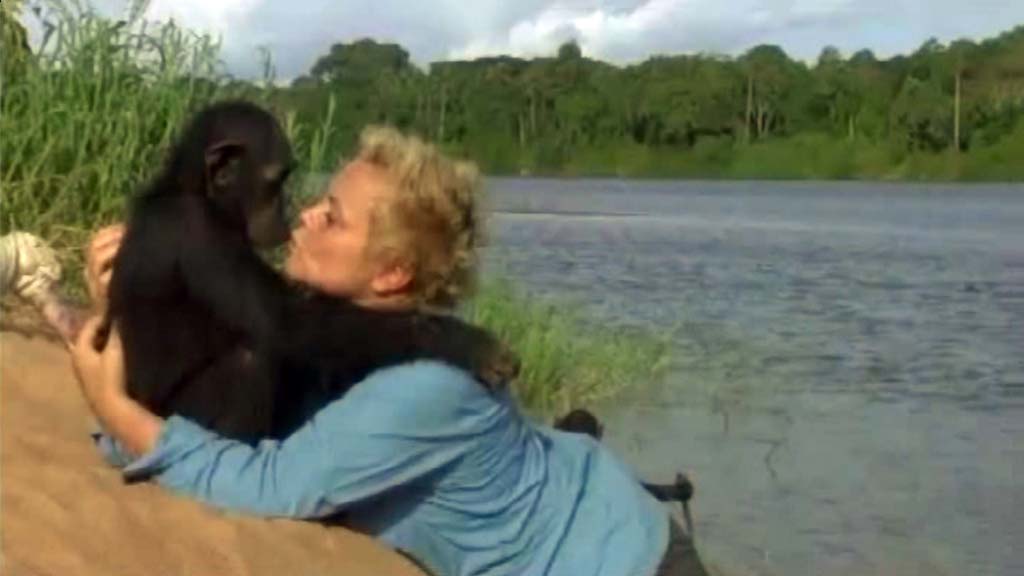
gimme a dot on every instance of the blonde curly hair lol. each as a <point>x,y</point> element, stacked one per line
<point>432,224</point>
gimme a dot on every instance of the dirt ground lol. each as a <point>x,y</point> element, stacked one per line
<point>63,511</point>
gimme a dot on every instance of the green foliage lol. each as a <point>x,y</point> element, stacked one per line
<point>93,111</point>
<point>921,116</point>
<point>89,116</point>
<point>692,116</point>
<point>14,48</point>
<point>570,51</point>
<point>360,61</point>
<point>1000,161</point>
<point>811,156</point>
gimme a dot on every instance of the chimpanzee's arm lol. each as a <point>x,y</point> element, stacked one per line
<point>223,272</point>
<point>220,270</point>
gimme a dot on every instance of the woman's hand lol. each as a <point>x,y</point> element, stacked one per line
<point>99,263</point>
<point>101,376</point>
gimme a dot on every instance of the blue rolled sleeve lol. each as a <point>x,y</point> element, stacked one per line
<point>351,450</point>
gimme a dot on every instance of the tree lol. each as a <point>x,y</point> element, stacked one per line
<point>360,61</point>
<point>920,115</point>
<point>770,80</point>
<point>570,51</point>
<point>840,92</point>
<point>961,54</point>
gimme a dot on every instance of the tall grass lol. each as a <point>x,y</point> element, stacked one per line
<point>88,118</point>
<point>559,345</point>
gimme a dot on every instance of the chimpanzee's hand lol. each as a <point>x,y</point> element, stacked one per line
<point>472,348</point>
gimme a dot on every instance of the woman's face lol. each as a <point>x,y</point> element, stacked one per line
<point>329,248</point>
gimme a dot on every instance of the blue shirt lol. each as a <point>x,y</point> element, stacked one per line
<point>424,458</point>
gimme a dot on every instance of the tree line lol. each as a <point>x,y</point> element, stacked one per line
<point>856,115</point>
<point>951,111</point>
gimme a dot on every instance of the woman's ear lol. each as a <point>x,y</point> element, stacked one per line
<point>393,278</point>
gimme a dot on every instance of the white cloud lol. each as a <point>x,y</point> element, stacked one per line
<point>654,26</point>
<point>215,17</point>
<point>298,31</point>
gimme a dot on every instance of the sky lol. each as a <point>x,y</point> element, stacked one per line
<point>617,31</point>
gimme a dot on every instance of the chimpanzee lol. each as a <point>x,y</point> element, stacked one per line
<point>208,326</point>
<point>582,421</point>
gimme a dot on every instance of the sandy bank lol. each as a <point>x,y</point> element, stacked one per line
<point>65,512</point>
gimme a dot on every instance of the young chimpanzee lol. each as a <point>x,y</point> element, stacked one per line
<point>208,326</point>
<point>582,421</point>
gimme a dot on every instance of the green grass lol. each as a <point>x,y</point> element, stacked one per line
<point>567,361</point>
<point>87,120</point>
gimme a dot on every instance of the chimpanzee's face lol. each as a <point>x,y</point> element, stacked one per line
<point>267,221</point>
<point>249,173</point>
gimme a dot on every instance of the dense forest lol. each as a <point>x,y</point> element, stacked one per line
<point>944,112</point>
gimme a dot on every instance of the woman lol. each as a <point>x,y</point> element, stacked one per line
<point>419,455</point>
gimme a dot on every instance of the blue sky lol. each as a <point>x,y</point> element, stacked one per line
<point>619,31</point>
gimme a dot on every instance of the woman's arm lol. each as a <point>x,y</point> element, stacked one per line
<point>102,378</point>
<point>182,455</point>
<point>398,426</point>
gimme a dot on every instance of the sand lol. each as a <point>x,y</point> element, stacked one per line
<point>64,512</point>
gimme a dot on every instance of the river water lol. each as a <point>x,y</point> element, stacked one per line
<point>848,385</point>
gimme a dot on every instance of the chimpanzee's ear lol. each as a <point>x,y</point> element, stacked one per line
<point>223,161</point>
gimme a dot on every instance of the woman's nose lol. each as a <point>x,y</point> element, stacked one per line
<point>313,216</point>
<point>306,218</point>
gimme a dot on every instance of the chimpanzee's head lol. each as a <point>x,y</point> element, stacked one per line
<point>237,155</point>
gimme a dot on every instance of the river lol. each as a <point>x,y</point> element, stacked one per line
<point>848,391</point>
